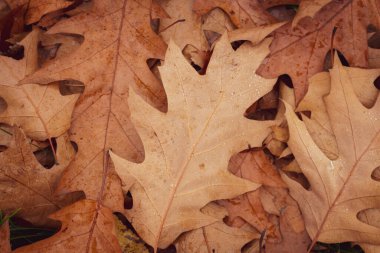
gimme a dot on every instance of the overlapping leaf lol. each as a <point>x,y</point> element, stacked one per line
<point>118,40</point>
<point>243,13</point>
<point>307,44</point>
<point>216,237</point>
<point>86,227</point>
<point>40,110</point>
<point>340,188</point>
<point>186,150</point>
<point>29,185</point>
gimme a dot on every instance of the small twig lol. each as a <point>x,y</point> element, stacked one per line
<point>175,22</point>
<point>8,216</point>
<point>54,152</point>
<point>262,236</point>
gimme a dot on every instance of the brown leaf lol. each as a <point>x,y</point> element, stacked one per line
<point>300,52</point>
<point>217,21</point>
<point>308,8</point>
<point>188,32</point>
<point>294,237</point>
<point>340,188</point>
<point>36,8</point>
<point>256,167</point>
<point>118,40</point>
<point>249,208</point>
<point>373,58</point>
<point>216,237</point>
<point>40,110</point>
<point>243,13</point>
<point>27,185</point>
<point>187,153</point>
<point>86,227</point>
<point>262,207</point>
<point>5,245</point>
<point>254,35</point>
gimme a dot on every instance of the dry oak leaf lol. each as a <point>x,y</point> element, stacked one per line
<point>26,184</point>
<point>256,167</point>
<point>308,8</point>
<point>243,13</point>
<point>262,207</point>
<point>370,216</point>
<point>118,40</point>
<point>37,8</point>
<point>40,110</point>
<point>307,45</point>
<point>340,188</point>
<point>87,227</point>
<point>318,124</point>
<point>187,149</point>
<point>187,33</point>
<point>277,201</point>
<point>216,237</point>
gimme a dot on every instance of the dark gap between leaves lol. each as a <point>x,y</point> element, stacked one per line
<point>70,87</point>
<point>23,232</point>
<point>128,200</point>
<point>266,107</point>
<point>45,156</point>
<point>376,83</point>
<point>374,40</point>
<point>299,178</point>
<point>375,175</point>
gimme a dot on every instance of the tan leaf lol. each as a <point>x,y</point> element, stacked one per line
<point>27,185</point>
<point>309,42</point>
<point>217,21</point>
<point>5,245</point>
<point>186,33</point>
<point>372,217</point>
<point>370,248</point>
<point>186,150</point>
<point>254,35</point>
<point>276,141</point>
<point>86,227</point>
<point>216,237</point>
<point>318,125</point>
<point>40,110</point>
<point>118,40</point>
<point>243,13</point>
<point>336,194</point>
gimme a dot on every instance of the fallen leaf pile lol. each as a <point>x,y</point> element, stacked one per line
<point>189,125</point>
